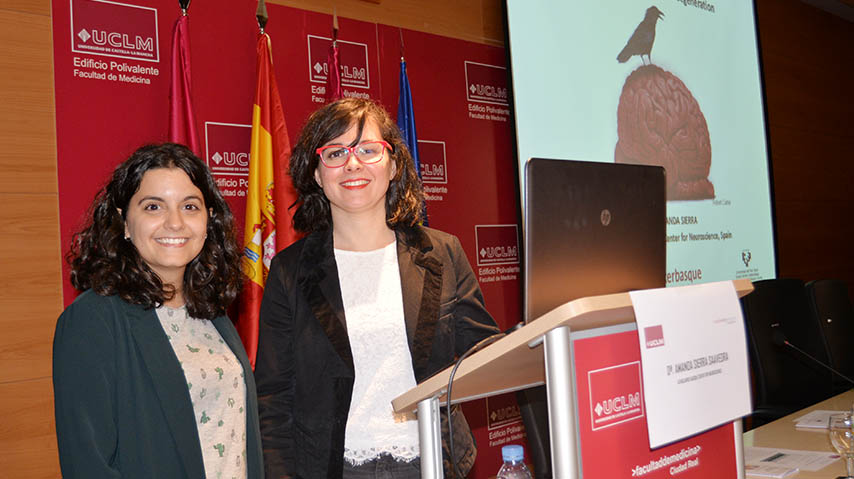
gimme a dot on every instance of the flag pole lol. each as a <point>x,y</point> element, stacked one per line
<point>333,78</point>
<point>402,46</point>
<point>260,15</point>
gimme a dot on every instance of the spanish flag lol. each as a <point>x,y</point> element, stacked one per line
<point>269,222</point>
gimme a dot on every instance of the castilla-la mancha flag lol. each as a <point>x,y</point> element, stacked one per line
<point>269,222</point>
<point>182,121</point>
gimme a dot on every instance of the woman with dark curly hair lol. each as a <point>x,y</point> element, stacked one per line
<point>365,306</point>
<point>150,377</point>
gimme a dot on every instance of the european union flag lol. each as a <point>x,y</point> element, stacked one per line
<point>406,121</point>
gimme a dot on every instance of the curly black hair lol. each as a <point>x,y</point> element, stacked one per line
<point>404,199</point>
<point>102,260</point>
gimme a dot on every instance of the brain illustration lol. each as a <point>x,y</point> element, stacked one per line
<point>659,122</point>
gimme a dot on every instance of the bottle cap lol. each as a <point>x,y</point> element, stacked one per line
<point>513,452</point>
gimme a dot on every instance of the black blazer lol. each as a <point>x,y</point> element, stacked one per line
<point>304,367</point>
<point>122,404</point>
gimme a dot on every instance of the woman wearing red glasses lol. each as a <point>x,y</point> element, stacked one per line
<point>363,308</point>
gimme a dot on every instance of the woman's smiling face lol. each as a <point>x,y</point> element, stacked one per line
<point>166,221</point>
<point>356,188</point>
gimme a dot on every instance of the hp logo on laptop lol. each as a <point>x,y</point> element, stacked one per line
<point>605,217</point>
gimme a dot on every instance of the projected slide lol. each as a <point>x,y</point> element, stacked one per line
<point>673,83</point>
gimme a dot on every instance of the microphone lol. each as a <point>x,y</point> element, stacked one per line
<point>477,347</point>
<point>779,339</point>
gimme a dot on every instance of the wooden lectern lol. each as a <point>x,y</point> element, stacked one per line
<point>537,353</point>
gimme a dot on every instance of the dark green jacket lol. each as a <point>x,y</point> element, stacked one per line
<point>122,404</point>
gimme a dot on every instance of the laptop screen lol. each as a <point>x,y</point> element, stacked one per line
<point>590,229</point>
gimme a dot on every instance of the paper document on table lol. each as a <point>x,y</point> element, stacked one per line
<point>693,357</point>
<point>803,460</point>
<point>765,470</point>
<point>815,419</point>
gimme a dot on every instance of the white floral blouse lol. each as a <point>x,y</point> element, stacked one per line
<point>217,390</point>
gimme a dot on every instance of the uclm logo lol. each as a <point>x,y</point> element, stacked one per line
<point>502,410</point>
<point>227,148</point>
<point>616,395</point>
<point>114,30</point>
<point>434,165</point>
<point>486,83</point>
<point>497,244</point>
<point>654,336</point>
<point>352,60</point>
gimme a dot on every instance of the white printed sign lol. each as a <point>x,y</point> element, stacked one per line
<point>694,359</point>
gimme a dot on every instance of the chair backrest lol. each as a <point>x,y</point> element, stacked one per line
<point>832,310</point>
<point>785,381</point>
<point>533,406</point>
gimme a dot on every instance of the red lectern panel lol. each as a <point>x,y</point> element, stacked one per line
<point>612,420</point>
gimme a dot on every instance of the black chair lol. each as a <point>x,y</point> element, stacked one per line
<point>831,308</point>
<point>783,379</point>
<point>533,406</point>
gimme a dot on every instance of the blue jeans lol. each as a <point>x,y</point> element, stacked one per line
<point>384,467</point>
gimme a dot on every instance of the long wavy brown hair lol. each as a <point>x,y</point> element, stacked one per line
<point>404,199</point>
<point>102,260</point>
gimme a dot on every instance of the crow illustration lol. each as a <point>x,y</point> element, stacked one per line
<point>641,40</point>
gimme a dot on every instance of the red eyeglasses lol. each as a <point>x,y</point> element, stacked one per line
<point>367,152</point>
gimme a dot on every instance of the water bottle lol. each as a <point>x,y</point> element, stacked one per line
<point>514,463</point>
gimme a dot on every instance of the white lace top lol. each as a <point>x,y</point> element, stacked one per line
<point>373,306</point>
<point>217,391</point>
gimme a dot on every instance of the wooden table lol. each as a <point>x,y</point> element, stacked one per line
<point>782,434</point>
